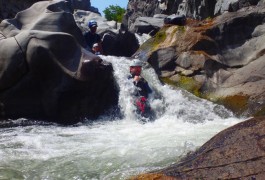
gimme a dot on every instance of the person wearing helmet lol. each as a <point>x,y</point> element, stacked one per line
<point>135,74</point>
<point>96,49</point>
<point>142,88</point>
<point>92,37</point>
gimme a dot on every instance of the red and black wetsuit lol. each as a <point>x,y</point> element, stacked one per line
<point>141,94</point>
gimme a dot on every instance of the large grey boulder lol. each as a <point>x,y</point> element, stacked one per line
<point>163,59</point>
<point>147,25</point>
<point>45,73</point>
<point>235,153</point>
<point>83,17</point>
<point>8,9</point>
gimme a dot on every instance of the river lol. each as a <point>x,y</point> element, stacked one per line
<point>113,148</point>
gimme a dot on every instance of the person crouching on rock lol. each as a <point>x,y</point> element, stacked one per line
<point>96,49</point>
<point>92,37</point>
<point>142,87</point>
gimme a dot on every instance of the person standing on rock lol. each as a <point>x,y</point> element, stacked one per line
<point>92,37</point>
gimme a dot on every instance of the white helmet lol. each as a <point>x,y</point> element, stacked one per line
<point>95,45</point>
<point>136,62</point>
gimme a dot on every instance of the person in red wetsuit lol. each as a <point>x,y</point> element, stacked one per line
<point>142,87</point>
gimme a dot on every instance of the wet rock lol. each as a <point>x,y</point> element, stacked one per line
<point>235,153</point>
<point>45,73</point>
<point>227,51</point>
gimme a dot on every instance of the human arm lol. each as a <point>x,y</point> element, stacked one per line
<point>142,85</point>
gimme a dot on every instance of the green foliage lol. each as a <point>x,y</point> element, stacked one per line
<point>114,13</point>
<point>187,83</point>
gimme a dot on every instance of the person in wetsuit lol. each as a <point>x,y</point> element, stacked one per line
<point>142,88</point>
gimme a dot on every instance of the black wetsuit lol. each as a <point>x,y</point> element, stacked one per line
<point>91,39</point>
<point>141,101</point>
<point>143,89</point>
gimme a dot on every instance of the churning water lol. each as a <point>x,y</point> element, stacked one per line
<point>114,149</point>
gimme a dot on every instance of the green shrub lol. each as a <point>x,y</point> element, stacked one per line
<point>114,13</point>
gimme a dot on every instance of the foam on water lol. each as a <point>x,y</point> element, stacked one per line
<point>119,148</point>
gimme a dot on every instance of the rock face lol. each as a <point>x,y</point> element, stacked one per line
<point>8,9</point>
<point>240,64</point>
<point>197,9</point>
<point>232,6</point>
<point>141,8</point>
<point>235,153</point>
<point>45,73</point>
<point>219,59</point>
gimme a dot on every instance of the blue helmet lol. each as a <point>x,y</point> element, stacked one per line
<point>92,23</point>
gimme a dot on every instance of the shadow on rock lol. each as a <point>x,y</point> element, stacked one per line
<point>44,71</point>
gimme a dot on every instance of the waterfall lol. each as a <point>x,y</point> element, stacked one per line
<point>167,103</point>
<point>119,148</point>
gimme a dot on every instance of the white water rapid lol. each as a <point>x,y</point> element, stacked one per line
<point>114,149</point>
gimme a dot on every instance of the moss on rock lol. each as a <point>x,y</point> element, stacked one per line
<point>187,83</point>
<point>151,44</point>
<point>190,85</point>
<point>236,103</point>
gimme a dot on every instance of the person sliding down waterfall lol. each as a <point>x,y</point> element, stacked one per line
<point>142,89</point>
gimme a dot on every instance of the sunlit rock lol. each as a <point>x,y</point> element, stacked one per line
<point>235,153</point>
<point>228,52</point>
